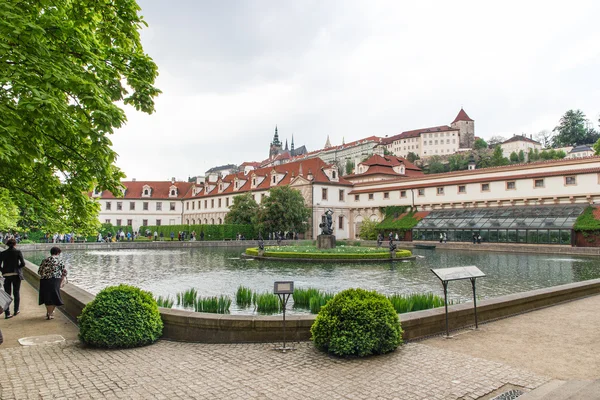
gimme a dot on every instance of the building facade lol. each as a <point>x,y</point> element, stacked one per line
<point>519,143</point>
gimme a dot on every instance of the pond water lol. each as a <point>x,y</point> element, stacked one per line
<point>220,271</point>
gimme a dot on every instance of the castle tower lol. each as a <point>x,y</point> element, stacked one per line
<point>275,147</point>
<point>466,127</point>
<point>292,149</point>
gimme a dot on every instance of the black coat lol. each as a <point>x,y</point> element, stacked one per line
<point>11,260</point>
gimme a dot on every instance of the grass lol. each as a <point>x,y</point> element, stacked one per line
<point>318,301</point>
<point>213,304</point>
<point>243,297</point>
<point>404,303</point>
<point>266,302</point>
<point>187,298</point>
<point>302,296</point>
<point>166,302</point>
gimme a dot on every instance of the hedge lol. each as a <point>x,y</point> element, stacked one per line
<point>253,251</point>
<point>587,222</point>
<point>211,232</point>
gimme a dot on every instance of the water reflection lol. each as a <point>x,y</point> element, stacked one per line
<point>220,271</point>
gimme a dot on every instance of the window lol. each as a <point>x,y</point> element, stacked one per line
<point>485,187</point>
<point>462,189</point>
<point>371,196</point>
<point>132,205</point>
<point>129,222</point>
<point>324,193</point>
<point>145,222</point>
<point>341,194</point>
<point>158,222</point>
<point>172,206</point>
<point>421,192</point>
<point>146,192</point>
<point>511,185</point>
<point>187,206</point>
<point>538,183</point>
<point>227,202</point>
<point>108,205</point>
<point>341,222</point>
<point>570,180</point>
<point>107,220</point>
<point>403,193</point>
<point>219,203</point>
<point>205,203</point>
<point>357,196</point>
<point>333,174</point>
<point>199,203</point>
<point>212,203</point>
<point>159,206</point>
<point>145,206</point>
<point>262,196</point>
<point>386,195</point>
<point>172,192</point>
<point>440,190</point>
<point>274,179</point>
<point>193,205</point>
<point>118,222</point>
<point>119,205</point>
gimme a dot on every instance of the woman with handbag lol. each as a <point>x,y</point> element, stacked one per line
<point>52,271</point>
<point>11,264</point>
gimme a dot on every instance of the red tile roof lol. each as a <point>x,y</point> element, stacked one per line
<point>462,116</point>
<point>384,165</point>
<point>159,190</point>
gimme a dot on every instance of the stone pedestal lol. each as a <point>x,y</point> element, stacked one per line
<point>325,241</point>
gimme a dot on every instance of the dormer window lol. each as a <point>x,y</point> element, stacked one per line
<point>146,191</point>
<point>97,191</point>
<point>274,179</point>
<point>220,187</point>
<point>173,191</point>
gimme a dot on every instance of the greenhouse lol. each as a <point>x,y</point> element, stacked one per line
<point>528,224</point>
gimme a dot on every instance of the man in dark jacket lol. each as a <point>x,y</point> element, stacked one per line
<point>11,265</point>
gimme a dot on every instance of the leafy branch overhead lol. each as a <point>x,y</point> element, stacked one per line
<point>63,68</point>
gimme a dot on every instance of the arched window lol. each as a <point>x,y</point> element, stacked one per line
<point>146,192</point>
<point>220,221</point>
<point>212,221</point>
<point>205,221</point>
<point>172,192</point>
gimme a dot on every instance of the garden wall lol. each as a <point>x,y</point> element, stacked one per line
<point>586,239</point>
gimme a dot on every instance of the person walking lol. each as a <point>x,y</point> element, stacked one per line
<point>52,271</point>
<point>172,236</point>
<point>155,236</point>
<point>441,237</point>
<point>11,265</point>
<point>445,238</point>
<point>162,236</point>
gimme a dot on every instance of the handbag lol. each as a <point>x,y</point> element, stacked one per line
<point>5,300</point>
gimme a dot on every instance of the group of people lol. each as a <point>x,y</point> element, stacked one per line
<point>5,236</point>
<point>391,238</point>
<point>444,238</point>
<point>52,272</point>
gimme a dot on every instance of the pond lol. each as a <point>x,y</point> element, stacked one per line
<point>220,271</point>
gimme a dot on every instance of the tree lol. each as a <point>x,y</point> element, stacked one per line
<point>63,68</point>
<point>368,229</point>
<point>545,138</point>
<point>243,210</point>
<point>435,165</point>
<point>349,167</point>
<point>571,129</point>
<point>412,157</point>
<point>9,213</point>
<point>283,210</point>
<point>495,140</point>
<point>534,155</point>
<point>457,162</point>
<point>514,157</point>
<point>521,156</point>
<point>498,158</point>
<point>480,144</point>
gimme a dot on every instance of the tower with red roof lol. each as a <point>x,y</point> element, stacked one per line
<point>466,126</point>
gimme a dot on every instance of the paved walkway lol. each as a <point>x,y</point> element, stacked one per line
<point>431,369</point>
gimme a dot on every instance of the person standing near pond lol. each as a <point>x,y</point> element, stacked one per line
<point>11,265</point>
<point>51,272</point>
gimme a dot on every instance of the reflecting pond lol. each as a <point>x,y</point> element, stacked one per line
<point>219,271</point>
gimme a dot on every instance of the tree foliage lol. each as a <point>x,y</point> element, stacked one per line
<point>349,167</point>
<point>368,229</point>
<point>243,210</point>
<point>412,157</point>
<point>480,144</point>
<point>63,67</point>
<point>498,158</point>
<point>283,210</point>
<point>571,129</point>
<point>495,140</point>
<point>544,137</point>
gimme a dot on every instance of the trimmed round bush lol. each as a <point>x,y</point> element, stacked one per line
<point>357,322</point>
<point>120,316</point>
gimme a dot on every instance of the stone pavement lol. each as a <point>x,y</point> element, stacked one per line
<point>430,369</point>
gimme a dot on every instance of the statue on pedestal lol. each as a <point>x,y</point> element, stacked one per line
<point>327,226</point>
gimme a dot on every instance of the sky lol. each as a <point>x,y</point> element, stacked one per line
<point>230,71</point>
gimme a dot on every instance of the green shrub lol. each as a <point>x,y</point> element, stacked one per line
<point>321,255</point>
<point>357,322</point>
<point>120,316</point>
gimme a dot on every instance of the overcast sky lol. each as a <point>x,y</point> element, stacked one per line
<point>232,70</point>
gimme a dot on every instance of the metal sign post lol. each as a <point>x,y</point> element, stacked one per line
<point>284,289</point>
<point>454,274</point>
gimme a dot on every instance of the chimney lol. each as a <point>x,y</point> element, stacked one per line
<point>132,179</point>
<point>173,180</point>
<point>530,136</point>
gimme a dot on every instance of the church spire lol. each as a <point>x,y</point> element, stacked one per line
<point>276,138</point>
<point>286,145</point>
<point>292,143</point>
<point>327,143</point>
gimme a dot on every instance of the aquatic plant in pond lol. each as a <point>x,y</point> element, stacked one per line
<point>166,302</point>
<point>319,300</point>
<point>187,298</point>
<point>266,302</point>
<point>213,304</point>
<point>243,296</point>
<point>404,303</point>
<point>302,296</point>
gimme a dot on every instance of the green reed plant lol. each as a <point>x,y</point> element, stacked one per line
<point>213,304</point>
<point>404,303</point>
<point>243,296</point>
<point>302,296</point>
<point>187,298</point>
<point>266,302</point>
<point>166,302</point>
<point>319,300</point>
